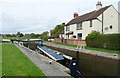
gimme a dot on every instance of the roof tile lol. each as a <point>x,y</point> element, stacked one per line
<point>88,16</point>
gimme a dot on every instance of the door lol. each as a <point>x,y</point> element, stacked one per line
<point>79,36</point>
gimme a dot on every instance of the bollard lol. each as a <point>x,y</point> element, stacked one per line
<point>74,69</point>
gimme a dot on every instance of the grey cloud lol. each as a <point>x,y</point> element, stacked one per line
<point>41,16</point>
<point>14,24</point>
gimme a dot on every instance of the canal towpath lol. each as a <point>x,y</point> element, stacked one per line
<point>85,51</point>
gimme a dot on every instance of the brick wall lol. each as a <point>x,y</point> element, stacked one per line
<point>57,40</point>
<point>70,41</point>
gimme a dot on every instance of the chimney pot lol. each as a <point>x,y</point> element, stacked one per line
<point>75,15</point>
<point>98,5</point>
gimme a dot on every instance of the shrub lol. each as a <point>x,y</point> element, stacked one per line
<point>93,35</point>
<point>106,41</point>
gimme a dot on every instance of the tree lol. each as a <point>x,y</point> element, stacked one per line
<point>57,30</point>
<point>20,34</point>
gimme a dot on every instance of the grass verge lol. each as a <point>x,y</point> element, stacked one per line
<point>19,38</point>
<point>90,48</point>
<point>0,61</point>
<point>15,63</point>
<point>5,41</point>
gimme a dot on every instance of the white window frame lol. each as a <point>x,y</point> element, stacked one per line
<point>91,23</point>
<point>67,28</point>
<point>79,26</point>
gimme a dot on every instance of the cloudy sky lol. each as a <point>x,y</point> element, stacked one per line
<point>36,16</point>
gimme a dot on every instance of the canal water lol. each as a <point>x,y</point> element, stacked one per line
<point>93,65</point>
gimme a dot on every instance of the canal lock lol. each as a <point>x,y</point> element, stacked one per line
<point>66,62</point>
<point>88,64</point>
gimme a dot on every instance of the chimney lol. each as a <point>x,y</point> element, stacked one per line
<point>75,15</point>
<point>98,5</point>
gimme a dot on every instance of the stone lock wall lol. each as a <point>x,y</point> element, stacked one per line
<point>91,65</point>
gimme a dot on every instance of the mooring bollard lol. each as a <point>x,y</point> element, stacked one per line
<point>74,69</point>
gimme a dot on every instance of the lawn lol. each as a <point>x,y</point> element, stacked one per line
<point>19,38</point>
<point>5,41</point>
<point>95,49</point>
<point>15,63</point>
<point>0,60</point>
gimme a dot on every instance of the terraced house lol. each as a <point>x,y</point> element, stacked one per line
<point>103,19</point>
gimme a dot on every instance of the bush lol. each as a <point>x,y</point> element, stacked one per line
<point>106,41</point>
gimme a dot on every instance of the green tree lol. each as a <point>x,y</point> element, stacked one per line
<point>44,35</point>
<point>19,34</point>
<point>57,30</point>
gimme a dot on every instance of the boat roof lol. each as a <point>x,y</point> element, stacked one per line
<point>51,53</point>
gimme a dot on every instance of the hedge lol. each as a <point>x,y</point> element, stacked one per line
<point>105,41</point>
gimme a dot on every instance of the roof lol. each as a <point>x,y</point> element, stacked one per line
<point>88,16</point>
<point>68,33</point>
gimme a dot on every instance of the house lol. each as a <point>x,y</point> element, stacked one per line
<point>49,33</point>
<point>27,35</point>
<point>103,20</point>
<point>119,16</point>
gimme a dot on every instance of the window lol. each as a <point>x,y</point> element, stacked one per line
<point>90,23</point>
<point>67,28</point>
<point>79,26</point>
<point>111,26</point>
<point>79,36</point>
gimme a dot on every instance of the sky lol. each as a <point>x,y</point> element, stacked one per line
<point>37,16</point>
